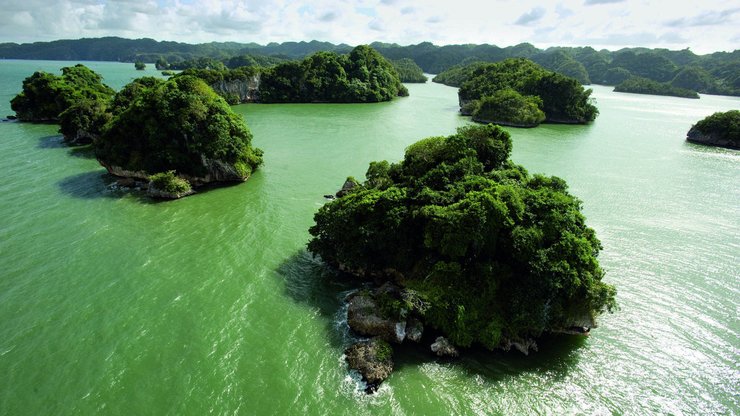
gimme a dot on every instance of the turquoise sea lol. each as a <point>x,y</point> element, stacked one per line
<point>114,304</point>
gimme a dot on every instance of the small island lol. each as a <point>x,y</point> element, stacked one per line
<point>517,92</point>
<point>165,136</point>
<point>640,85</point>
<point>464,248</point>
<point>362,76</point>
<point>719,129</point>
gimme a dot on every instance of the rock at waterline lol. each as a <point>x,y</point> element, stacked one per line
<point>444,348</point>
<point>372,359</point>
<point>364,318</point>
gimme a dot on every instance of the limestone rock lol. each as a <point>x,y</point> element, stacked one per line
<point>444,348</point>
<point>372,359</point>
<point>364,317</point>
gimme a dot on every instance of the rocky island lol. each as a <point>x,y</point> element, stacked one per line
<point>462,246</point>
<point>361,76</point>
<point>640,85</point>
<point>167,136</point>
<point>719,129</point>
<point>517,92</point>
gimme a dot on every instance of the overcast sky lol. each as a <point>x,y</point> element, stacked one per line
<point>704,26</point>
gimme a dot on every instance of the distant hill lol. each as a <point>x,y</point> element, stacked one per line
<point>716,73</point>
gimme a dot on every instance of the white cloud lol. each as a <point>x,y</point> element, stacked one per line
<point>599,23</point>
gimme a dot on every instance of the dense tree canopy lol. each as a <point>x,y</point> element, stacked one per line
<point>639,85</point>
<point>508,107</point>
<point>362,76</point>
<point>562,99</point>
<point>408,71</point>
<point>494,253</point>
<point>45,96</point>
<point>721,128</point>
<point>180,125</point>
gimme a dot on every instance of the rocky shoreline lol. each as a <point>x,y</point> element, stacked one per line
<point>711,139</point>
<point>389,315</point>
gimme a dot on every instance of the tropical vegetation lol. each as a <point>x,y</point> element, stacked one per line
<point>561,99</point>
<point>639,85</point>
<point>491,253</point>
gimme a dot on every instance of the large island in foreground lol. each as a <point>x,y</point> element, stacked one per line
<point>463,244</point>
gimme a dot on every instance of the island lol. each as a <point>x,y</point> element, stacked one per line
<point>362,76</point>
<point>719,129</point>
<point>640,85</point>
<point>175,134</point>
<point>45,96</point>
<point>517,92</point>
<point>164,136</point>
<point>462,247</point>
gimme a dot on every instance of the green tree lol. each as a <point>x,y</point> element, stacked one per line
<point>508,107</point>
<point>181,125</point>
<point>495,254</point>
<point>139,65</point>
<point>45,96</point>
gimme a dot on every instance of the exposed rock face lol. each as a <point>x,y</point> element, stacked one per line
<point>711,139</point>
<point>364,317</point>
<point>81,137</point>
<point>348,186</point>
<point>373,359</point>
<point>216,171</point>
<point>444,348</point>
<point>524,346</point>
<point>504,123</point>
<point>246,89</point>
<point>414,330</point>
<point>155,192</point>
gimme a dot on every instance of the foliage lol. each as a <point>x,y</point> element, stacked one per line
<point>170,183</point>
<point>83,121</point>
<point>648,64</point>
<point>657,64</point>
<point>725,125</point>
<point>563,99</point>
<point>408,71</point>
<point>139,65</point>
<point>696,79</point>
<point>179,124</point>
<point>362,76</point>
<point>46,95</point>
<point>638,85</point>
<point>161,63</point>
<point>456,75</point>
<point>614,76</point>
<point>508,107</point>
<point>496,254</point>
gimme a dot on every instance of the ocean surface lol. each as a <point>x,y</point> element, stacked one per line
<point>114,304</point>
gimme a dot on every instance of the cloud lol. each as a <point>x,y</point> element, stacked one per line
<point>531,16</point>
<point>705,19</point>
<point>559,23</point>
<point>328,17</point>
<point>593,2</point>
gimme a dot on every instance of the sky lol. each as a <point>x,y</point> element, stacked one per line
<point>703,26</point>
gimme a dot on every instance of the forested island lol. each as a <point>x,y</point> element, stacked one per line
<point>518,92</point>
<point>464,246</point>
<point>167,136</point>
<point>716,73</point>
<point>639,85</point>
<point>363,75</point>
<point>719,129</point>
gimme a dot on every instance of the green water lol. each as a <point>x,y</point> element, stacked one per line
<point>113,304</point>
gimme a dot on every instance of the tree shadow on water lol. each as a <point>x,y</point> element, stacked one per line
<point>310,282</point>
<point>51,142</point>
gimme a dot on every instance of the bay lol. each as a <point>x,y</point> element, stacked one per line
<point>111,303</point>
